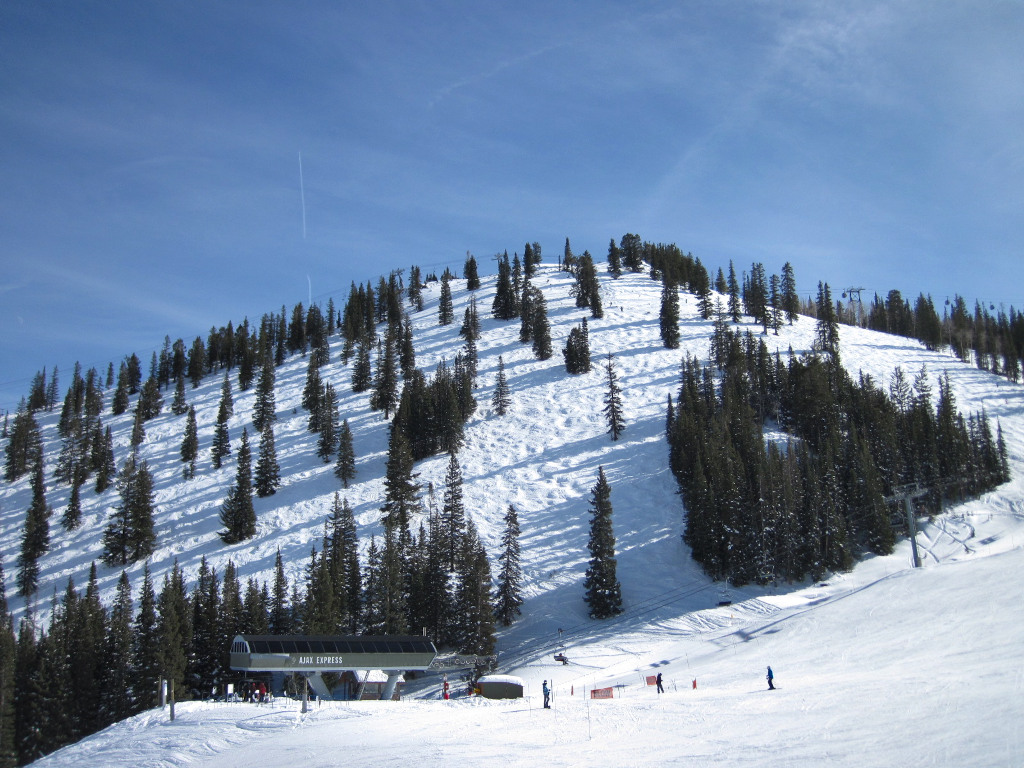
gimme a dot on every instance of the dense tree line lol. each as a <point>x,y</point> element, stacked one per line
<point>760,511</point>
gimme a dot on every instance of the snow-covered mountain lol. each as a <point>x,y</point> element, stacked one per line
<point>884,665</point>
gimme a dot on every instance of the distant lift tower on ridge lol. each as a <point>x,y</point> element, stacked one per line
<point>854,295</point>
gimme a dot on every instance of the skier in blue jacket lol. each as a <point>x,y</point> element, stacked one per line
<point>771,677</point>
<point>547,695</point>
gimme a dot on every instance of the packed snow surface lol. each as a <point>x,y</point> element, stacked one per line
<point>884,665</point>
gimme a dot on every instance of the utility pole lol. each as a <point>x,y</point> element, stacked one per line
<point>906,494</point>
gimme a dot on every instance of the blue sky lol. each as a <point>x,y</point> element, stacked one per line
<point>149,152</point>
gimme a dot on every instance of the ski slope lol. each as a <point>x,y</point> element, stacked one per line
<point>885,665</point>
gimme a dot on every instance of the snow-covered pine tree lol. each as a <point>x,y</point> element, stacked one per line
<point>345,467</point>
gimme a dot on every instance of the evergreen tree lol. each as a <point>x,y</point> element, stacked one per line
<point>174,632</point>
<point>501,400</point>
<point>669,315</point>
<point>328,423</point>
<point>151,402</point>
<point>453,512</point>
<point>362,370</point>
<point>510,576</point>
<point>238,514</point>
<point>613,401</point>
<point>178,405</point>
<point>733,286</point>
<point>190,445</point>
<point>268,472</point>
<point>401,491</point>
<point>541,328</point>
<point>129,536</point>
<point>790,299</point>
<point>474,607</point>
<point>24,446</point>
<point>604,594</point>
<point>280,612</point>
<point>826,338</point>
<point>146,645</point>
<point>445,312</point>
<point>117,695</point>
<point>264,408</point>
<point>577,350</point>
<point>506,301</point>
<point>8,674</point>
<point>614,259</point>
<point>385,388</point>
<point>103,460</point>
<point>72,516</point>
<point>35,538</point>
<point>138,431</point>
<point>632,252</point>
<point>345,468</point>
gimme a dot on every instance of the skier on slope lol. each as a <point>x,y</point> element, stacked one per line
<point>547,695</point>
<point>771,677</point>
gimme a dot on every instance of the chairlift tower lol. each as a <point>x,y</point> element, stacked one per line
<point>906,494</point>
<point>853,294</point>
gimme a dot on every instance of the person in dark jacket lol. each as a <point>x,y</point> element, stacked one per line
<point>658,681</point>
<point>771,677</point>
<point>547,695</point>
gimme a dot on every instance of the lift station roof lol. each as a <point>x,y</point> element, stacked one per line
<point>324,653</point>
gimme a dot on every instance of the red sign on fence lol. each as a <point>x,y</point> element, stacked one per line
<point>602,693</point>
<point>652,679</point>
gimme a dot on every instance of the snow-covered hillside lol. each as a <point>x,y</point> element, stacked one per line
<point>881,666</point>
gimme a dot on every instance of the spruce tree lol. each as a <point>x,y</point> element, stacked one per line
<point>146,645</point>
<point>362,370</point>
<point>24,445</point>
<point>603,591</point>
<point>280,612</point>
<point>614,259</point>
<point>328,423</point>
<point>178,405</point>
<point>541,328</point>
<point>509,598</point>
<point>669,316</point>
<point>445,312</point>
<point>8,674</point>
<point>268,472</point>
<point>264,408</point>
<point>470,272</point>
<point>190,445</point>
<point>117,694</point>
<point>790,299</point>
<point>72,517</point>
<point>613,401</point>
<point>500,399</point>
<point>453,511</point>
<point>129,536</point>
<point>35,538</point>
<point>474,631</point>
<point>345,468</point>
<point>237,513</point>
<point>174,631</point>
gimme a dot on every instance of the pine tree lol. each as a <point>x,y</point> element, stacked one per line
<point>401,491</point>
<point>577,350</point>
<point>104,461</point>
<point>35,539</point>
<point>237,514</point>
<point>470,272</point>
<point>268,472</point>
<point>445,312</point>
<point>735,308</point>
<point>501,400</point>
<point>280,612</point>
<point>190,445</point>
<point>453,511</point>
<point>614,259</point>
<point>24,446</point>
<point>613,401</point>
<point>328,423</point>
<point>474,630</point>
<point>129,536</point>
<point>8,674</point>
<point>174,631</point>
<point>146,645</point>
<point>541,328</point>
<point>72,516</point>
<point>362,370</point>
<point>385,387</point>
<point>345,468</point>
<point>669,315</point>
<point>510,576</point>
<point>117,695</point>
<point>264,408</point>
<point>604,594</point>
<point>178,405</point>
<point>790,299</point>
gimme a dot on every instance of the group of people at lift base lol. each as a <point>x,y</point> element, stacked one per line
<point>770,677</point>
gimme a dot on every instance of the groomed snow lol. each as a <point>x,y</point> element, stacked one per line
<point>886,665</point>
